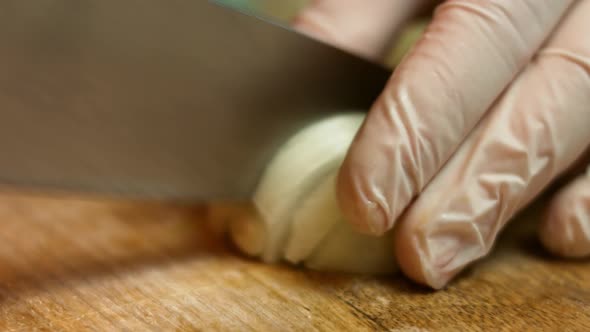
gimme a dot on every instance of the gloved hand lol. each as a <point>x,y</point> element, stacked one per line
<point>489,107</point>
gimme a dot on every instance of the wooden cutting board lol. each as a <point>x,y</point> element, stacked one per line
<point>69,264</point>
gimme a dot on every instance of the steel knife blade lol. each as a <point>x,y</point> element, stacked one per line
<point>175,99</point>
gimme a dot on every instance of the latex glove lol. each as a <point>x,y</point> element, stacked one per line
<point>486,110</point>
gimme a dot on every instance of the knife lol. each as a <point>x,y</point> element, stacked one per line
<point>153,99</point>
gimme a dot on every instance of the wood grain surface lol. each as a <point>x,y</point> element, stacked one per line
<point>70,264</point>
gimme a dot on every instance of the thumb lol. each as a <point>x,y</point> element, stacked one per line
<point>565,231</point>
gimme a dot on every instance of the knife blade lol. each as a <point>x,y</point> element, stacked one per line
<point>176,99</point>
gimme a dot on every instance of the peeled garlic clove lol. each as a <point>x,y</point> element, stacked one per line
<point>299,219</point>
<point>308,156</point>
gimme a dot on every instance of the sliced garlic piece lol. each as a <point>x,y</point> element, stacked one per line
<point>248,233</point>
<point>317,215</point>
<point>299,219</point>
<point>291,175</point>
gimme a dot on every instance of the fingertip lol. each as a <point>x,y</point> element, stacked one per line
<point>415,258</point>
<point>409,256</point>
<point>366,214</point>
<point>565,228</point>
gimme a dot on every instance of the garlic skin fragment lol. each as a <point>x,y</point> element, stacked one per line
<point>298,219</point>
<point>316,216</point>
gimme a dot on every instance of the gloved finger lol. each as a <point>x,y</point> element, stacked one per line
<point>359,26</point>
<point>537,129</point>
<point>565,230</point>
<point>468,55</point>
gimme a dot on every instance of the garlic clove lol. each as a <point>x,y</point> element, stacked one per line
<point>308,156</point>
